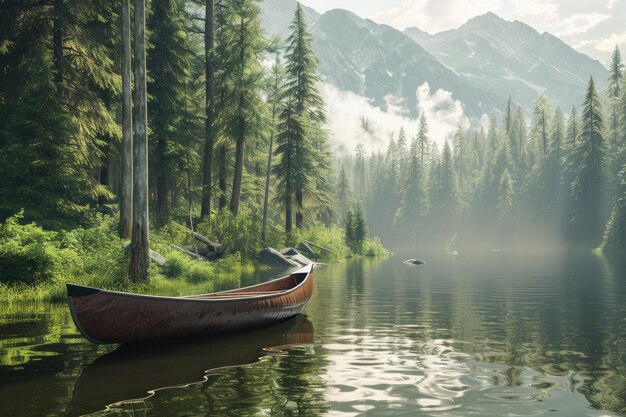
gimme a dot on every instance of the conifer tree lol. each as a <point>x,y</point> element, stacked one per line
<point>613,92</point>
<point>246,111</point>
<point>343,191</point>
<point>412,206</point>
<point>302,151</point>
<point>422,138</point>
<point>505,198</point>
<point>588,187</point>
<point>167,61</point>
<point>359,229</point>
<point>349,228</point>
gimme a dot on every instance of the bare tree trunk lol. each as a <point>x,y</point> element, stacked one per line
<point>299,205</point>
<point>222,177</point>
<point>140,244</point>
<point>288,209</point>
<point>126,192</point>
<point>241,134</point>
<point>209,127</point>
<point>267,185</point>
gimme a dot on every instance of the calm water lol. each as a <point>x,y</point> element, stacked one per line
<point>492,335</point>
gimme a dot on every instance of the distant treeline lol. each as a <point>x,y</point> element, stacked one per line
<point>559,180</point>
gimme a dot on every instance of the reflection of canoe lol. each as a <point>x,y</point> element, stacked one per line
<point>131,371</point>
<point>108,316</point>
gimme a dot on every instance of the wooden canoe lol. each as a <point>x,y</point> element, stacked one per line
<point>104,316</point>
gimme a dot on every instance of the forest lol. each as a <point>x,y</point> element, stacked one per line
<point>228,136</point>
<point>235,142</point>
<point>546,180</point>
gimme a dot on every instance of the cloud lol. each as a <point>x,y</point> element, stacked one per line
<point>434,15</point>
<point>352,119</point>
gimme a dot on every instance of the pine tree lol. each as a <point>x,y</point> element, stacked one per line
<point>343,191</point>
<point>246,113</point>
<point>126,188</point>
<point>613,92</point>
<point>275,95</point>
<point>412,206</point>
<point>302,149</point>
<point>422,138</point>
<point>360,178</point>
<point>140,242</point>
<point>505,198</point>
<point>349,228</point>
<point>167,64</point>
<point>359,229</point>
<point>210,128</point>
<point>588,187</point>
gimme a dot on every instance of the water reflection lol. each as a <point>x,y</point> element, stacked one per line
<point>486,335</point>
<point>126,377</point>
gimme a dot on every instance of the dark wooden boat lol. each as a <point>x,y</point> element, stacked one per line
<point>133,372</point>
<point>117,317</point>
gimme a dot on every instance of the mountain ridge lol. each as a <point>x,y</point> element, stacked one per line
<point>481,63</point>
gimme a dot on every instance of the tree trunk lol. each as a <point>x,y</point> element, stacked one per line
<point>222,177</point>
<point>126,192</point>
<point>299,205</point>
<point>209,130</point>
<point>162,202</point>
<point>57,43</point>
<point>140,245</point>
<point>241,130</point>
<point>266,196</point>
<point>288,210</point>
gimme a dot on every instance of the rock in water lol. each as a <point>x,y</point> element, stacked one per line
<point>306,250</point>
<point>271,257</point>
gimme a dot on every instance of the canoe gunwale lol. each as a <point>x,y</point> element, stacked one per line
<point>86,291</point>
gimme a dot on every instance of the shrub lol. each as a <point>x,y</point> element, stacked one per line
<point>31,255</point>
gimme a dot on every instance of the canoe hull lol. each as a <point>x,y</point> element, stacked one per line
<point>114,317</point>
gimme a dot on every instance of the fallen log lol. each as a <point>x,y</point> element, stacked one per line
<point>187,252</point>
<point>315,245</point>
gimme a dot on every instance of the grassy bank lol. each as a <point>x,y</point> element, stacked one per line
<point>35,264</point>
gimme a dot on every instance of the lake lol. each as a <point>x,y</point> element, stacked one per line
<point>491,334</point>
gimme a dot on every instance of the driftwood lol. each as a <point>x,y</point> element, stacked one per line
<point>212,250</point>
<point>315,245</point>
<point>187,252</point>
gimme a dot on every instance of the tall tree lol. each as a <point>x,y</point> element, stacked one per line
<point>210,122</point>
<point>614,89</point>
<point>422,138</point>
<point>140,242</point>
<point>343,191</point>
<point>275,96</point>
<point>246,115</point>
<point>588,186</point>
<point>307,104</point>
<point>167,62</point>
<point>126,188</point>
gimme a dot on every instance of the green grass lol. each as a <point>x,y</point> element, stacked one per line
<point>35,264</point>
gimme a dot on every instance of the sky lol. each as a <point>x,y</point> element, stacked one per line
<point>593,27</point>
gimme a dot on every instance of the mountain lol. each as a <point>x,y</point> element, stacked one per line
<point>481,63</point>
<point>513,58</point>
<point>277,15</point>
<point>378,61</point>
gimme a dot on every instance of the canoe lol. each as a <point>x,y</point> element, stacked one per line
<point>104,316</point>
<point>132,373</point>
